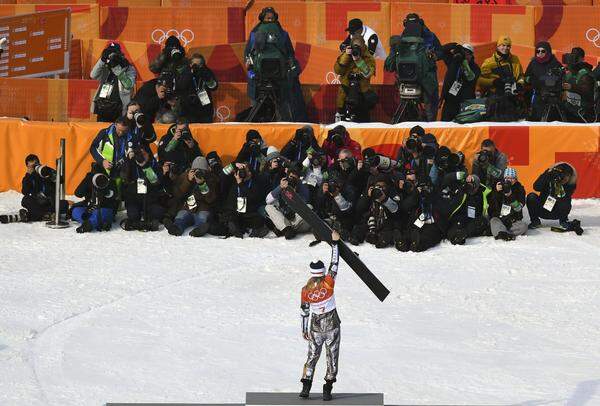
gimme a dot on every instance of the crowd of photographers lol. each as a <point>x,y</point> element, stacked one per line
<point>498,90</point>
<point>424,195</point>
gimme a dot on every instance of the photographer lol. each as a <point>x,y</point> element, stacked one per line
<point>544,74</point>
<point>355,97</point>
<point>375,211</point>
<point>253,152</point>
<point>466,219</point>
<point>338,138</point>
<point>285,220</point>
<point>446,162</point>
<point>200,106</point>
<point>489,163</point>
<point>178,147</point>
<point>156,97</point>
<point>370,37</point>
<point>275,167</point>
<point>195,194</point>
<point>580,88</point>
<point>38,188</point>
<point>417,156</point>
<point>111,145</point>
<point>116,77</point>
<point>556,187</point>
<point>143,191</point>
<point>139,124</point>
<point>460,80</point>
<point>100,202</point>
<point>506,202</point>
<point>270,43</point>
<point>296,148</point>
<point>243,202</point>
<point>335,204</point>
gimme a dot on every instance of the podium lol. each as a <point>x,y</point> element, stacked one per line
<point>292,399</point>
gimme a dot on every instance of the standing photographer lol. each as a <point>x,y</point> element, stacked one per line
<point>489,163</point>
<point>544,74</point>
<point>201,108</point>
<point>355,97</point>
<point>556,187</point>
<point>460,80</point>
<point>155,97</point>
<point>356,28</point>
<point>506,202</point>
<point>580,88</point>
<point>116,77</point>
<point>178,147</point>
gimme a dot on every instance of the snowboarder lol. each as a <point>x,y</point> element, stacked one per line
<point>318,298</point>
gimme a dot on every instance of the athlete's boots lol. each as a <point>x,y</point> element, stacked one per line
<point>327,389</point>
<point>306,384</point>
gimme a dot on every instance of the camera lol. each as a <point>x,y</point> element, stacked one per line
<point>301,136</point>
<point>138,155</point>
<point>186,135</point>
<point>426,188</point>
<point>413,144</point>
<point>242,173</point>
<point>100,181</point>
<point>139,118</point>
<point>214,161</point>
<point>175,53</point>
<point>45,172</point>
<point>485,157</point>
<point>557,175</point>
<point>570,59</point>
<point>292,181</point>
<point>113,59</point>
<point>506,187</point>
<point>346,164</point>
<point>377,192</point>
<point>333,186</point>
<point>199,176</point>
<point>381,162</point>
<point>356,51</point>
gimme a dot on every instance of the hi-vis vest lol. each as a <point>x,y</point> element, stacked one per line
<point>107,146</point>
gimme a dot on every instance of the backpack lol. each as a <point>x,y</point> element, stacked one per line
<point>472,111</point>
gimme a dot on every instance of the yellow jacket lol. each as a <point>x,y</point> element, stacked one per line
<point>486,80</point>
<point>345,65</point>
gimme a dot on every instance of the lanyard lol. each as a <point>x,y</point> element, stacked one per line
<point>249,186</point>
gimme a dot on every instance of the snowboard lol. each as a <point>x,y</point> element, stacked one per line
<point>323,232</point>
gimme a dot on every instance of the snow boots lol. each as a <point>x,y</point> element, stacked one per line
<point>327,389</point>
<point>306,385</point>
<point>15,218</point>
<point>503,235</point>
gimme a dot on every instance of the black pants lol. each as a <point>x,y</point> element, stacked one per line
<point>450,109</point>
<point>37,208</point>
<point>245,221</point>
<point>420,239</point>
<point>469,228</point>
<point>536,210</point>
<point>135,210</point>
<point>380,238</point>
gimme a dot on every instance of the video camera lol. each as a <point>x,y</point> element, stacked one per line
<point>508,82</point>
<point>45,172</point>
<point>570,58</point>
<point>551,83</point>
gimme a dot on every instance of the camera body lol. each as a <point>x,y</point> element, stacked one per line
<point>506,187</point>
<point>174,53</point>
<point>139,118</point>
<point>45,172</point>
<point>413,144</point>
<point>186,135</point>
<point>557,175</point>
<point>356,50</point>
<point>139,156</point>
<point>241,172</point>
<point>570,59</point>
<point>113,59</point>
<point>485,157</point>
<point>377,192</point>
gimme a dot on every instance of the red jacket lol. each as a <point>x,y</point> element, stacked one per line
<point>331,150</point>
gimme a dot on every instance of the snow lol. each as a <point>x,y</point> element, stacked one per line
<point>147,317</point>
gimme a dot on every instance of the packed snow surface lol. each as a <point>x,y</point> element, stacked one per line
<point>147,317</point>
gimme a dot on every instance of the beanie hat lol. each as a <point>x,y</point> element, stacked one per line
<point>272,153</point>
<point>504,40</point>
<point>172,42</point>
<point>510,173</point>
<point>200,163</point>
<point>317,268</point>
<point>253,135</point>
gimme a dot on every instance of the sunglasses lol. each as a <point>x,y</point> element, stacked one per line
<point>540,51</point>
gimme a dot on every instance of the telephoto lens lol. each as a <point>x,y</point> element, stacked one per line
<point>376,193</point>
<point>139,156</point>
<point>412,144</point>
<point>44,171</point>
<point>100,181</point>
<point>140,118</point>
<point>242,173</point>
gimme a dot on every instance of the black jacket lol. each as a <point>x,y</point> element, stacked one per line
<point>516,201</point>
<point>177,151</point>
<point>148,99</point>
<point>547,186</point>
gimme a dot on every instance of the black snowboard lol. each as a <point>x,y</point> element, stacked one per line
<point>323,232</point>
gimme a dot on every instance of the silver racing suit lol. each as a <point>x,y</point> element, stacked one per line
<point>318,299</point>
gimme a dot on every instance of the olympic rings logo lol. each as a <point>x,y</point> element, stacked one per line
<point>332,79</point>
<point>222,113</point>
<point>593,36</point>
<point>317,294</point>
<point>185,37</point>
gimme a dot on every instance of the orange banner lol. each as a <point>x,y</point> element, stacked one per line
<point>530,149</point>
<point>218,25</point>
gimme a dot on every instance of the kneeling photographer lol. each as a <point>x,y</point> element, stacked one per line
<point>100,201</point>
<point>467,218</point>
<point>143,191</point>
<point>287,222</point>
<point>296,148</point>
<point>555,187</point>
<point>355,97</point>
<point>116,77</point>
<point>507,200</point>
<point>489,163</point>
<point>38,188</point>
<point>460,80</point>
<point>580,88</point>
<point>178,147</point>
<point>376,214</point>
<point>195,194</point>
<point>335,204</point>
<point>338,138</point>
<point>545,75</point>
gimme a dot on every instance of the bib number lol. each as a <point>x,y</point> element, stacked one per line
<point>105,91</point>
<point>203,96</point>
<point>241,204</point>
<point>549,204</point>
<point>455,88</point>
<point>141,187</point>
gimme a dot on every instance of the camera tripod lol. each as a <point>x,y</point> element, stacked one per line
<point>409,110</point>
<point>266,108</point>
<point>552,105</point>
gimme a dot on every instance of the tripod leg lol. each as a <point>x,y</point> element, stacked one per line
<point>257,107</point>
